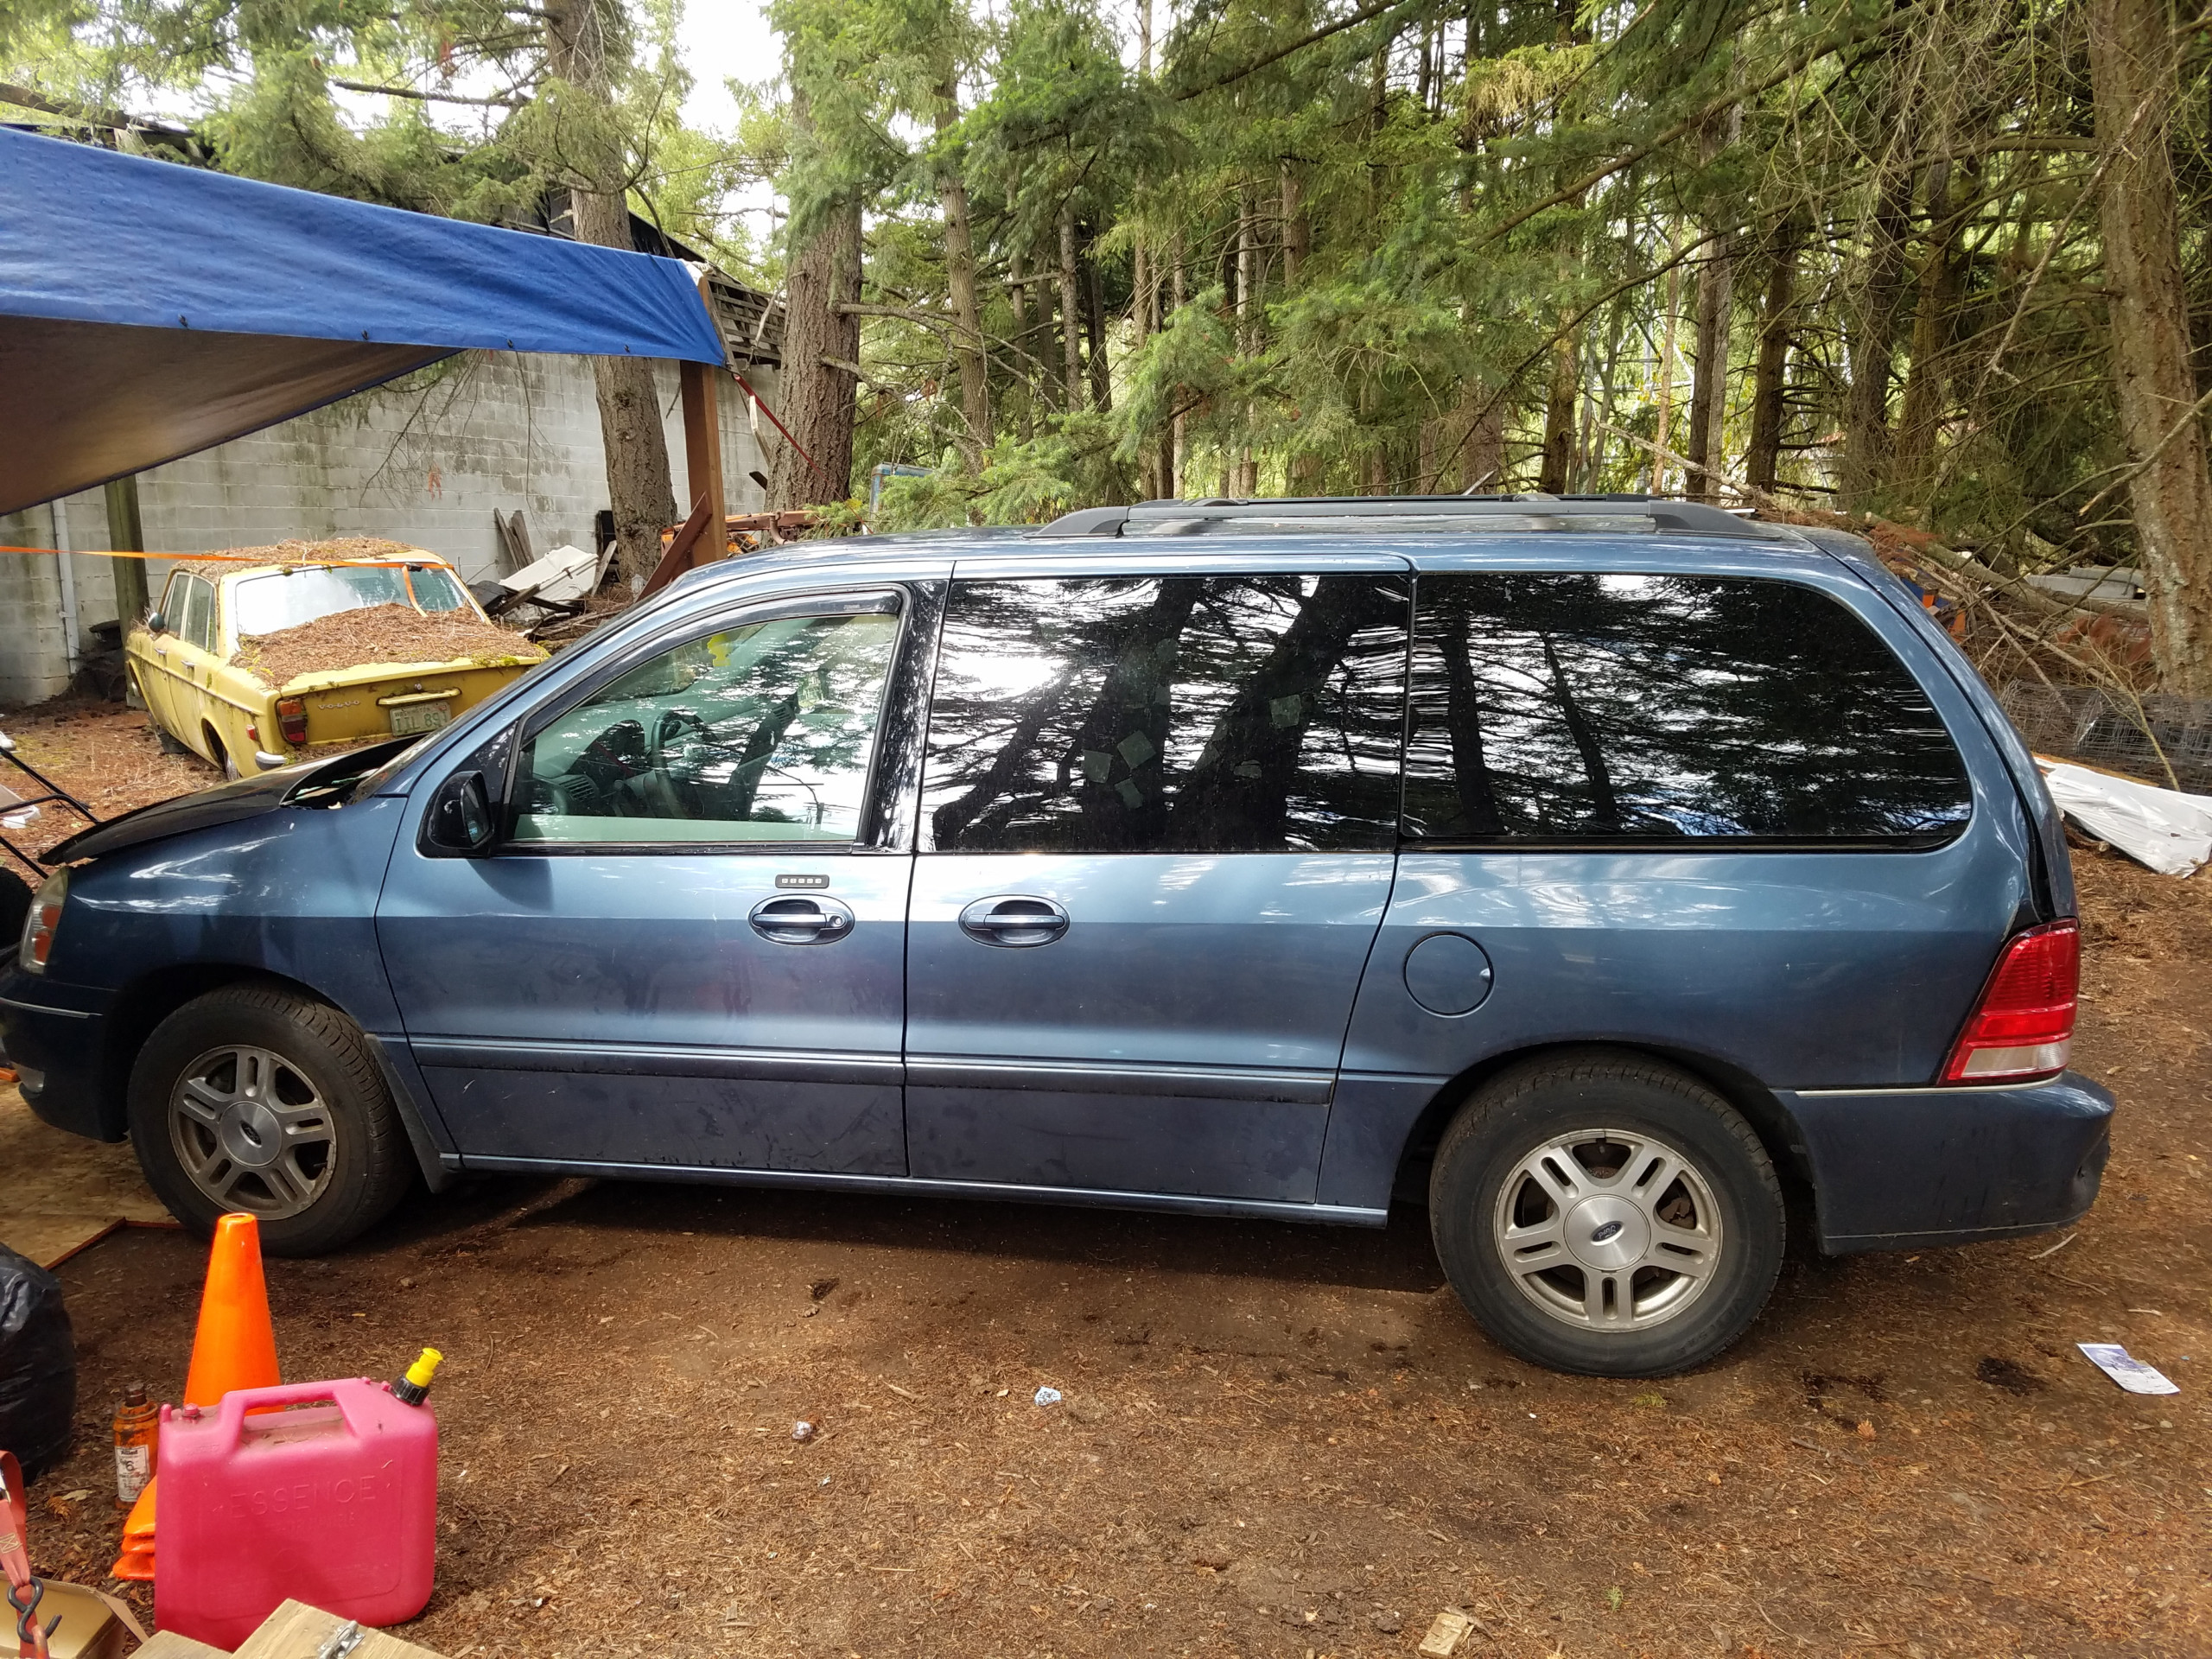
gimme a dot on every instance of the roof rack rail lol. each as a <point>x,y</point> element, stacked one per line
<point>1529,510</point>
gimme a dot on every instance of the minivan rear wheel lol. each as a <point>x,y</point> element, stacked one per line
<point>1607,1214</point>
<point>253,1098</point>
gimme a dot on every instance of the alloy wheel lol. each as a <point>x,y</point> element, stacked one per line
<point>1608,1229</point>
<point>252,1132</point>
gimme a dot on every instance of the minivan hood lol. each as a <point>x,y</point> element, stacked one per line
<point>231,802</point>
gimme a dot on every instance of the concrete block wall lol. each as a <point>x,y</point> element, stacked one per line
<point>32,655</point>
<point>424,460</point>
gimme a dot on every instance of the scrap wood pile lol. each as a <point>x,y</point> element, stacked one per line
<point>2068,654</point>
<point>2070,657</point>
<point>380,634</point>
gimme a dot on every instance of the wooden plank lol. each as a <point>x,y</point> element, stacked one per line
<point>167,1644</point>
<point>674,562</point>
<point>63,1192</point>
<point>297,1630</point>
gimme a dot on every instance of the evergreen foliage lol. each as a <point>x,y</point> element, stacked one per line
<point>1818,253</point>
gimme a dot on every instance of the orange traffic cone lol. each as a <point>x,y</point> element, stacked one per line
<point>234,1348</point>
<point>236,1345</point>
<point>138,1525</point>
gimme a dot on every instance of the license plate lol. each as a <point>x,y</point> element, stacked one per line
<point>409,718</point>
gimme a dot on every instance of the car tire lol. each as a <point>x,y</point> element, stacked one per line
<point>254,1098</point>
<point>1607,1214</point>
<point>220,754</point>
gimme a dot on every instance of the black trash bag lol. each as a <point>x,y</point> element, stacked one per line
<point>38,1365</point>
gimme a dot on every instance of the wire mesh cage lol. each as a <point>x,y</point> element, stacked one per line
<point>2080,723</point>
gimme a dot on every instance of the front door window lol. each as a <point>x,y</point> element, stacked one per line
<point>761,732</point>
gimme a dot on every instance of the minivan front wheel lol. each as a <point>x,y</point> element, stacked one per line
<point>1607,1214</point>
<point>253,1099</point>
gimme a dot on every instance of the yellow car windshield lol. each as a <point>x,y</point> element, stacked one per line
<point>285,599</point>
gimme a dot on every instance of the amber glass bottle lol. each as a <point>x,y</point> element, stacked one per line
<point>137,1429</point>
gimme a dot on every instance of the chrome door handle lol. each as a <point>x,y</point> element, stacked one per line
<point>794,920</point>
<point>1015,920</point>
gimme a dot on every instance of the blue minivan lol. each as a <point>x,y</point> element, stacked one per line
<point>1621,878</point>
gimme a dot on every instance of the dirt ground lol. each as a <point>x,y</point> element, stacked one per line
<point>1273,1440</point>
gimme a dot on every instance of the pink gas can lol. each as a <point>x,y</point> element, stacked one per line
<point>333,1501</point>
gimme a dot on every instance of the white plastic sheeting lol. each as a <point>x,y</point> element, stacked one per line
<point>2167,830</point>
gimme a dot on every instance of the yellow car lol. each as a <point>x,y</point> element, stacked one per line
<point>255,665</point>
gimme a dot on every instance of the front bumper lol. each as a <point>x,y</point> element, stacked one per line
<point>53,1036</point>
<point>1896,1169</point>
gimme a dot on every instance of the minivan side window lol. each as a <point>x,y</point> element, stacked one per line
<point>1551,708</point>
<point>760,732</point>
<point>1172,714</point>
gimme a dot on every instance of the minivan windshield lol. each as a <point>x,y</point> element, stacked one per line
<point>286,598</point>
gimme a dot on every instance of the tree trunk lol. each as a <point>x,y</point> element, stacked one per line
<point>1869,328</point>
<point>1598,405</point>
<point>1762,464</point>
<point>638,487</point>
<point>2132,52</point>
<point>1305,468</point>
<point>1017,290</point>
<point>815,398</point>
<point>1071,315</point>
<point>1924,386</point>
<point>1559,421</point>
<point>1177,453</point>
<point>1094,328</point>
<point>1704,445</point>
<point>960,283</point>
<point>1667,362</point>
<point>1247,329</point>
<point>1481,458</point>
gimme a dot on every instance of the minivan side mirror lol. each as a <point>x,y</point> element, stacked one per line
<point>460,822</point>
<point>156,623</point>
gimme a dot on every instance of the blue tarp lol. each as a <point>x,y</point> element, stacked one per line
<point>148,309</point>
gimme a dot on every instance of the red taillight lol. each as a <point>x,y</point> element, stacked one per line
<point>292,719</point>
<point>2022,1026</point>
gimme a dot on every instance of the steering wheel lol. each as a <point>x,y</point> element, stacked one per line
<point>671,725</point>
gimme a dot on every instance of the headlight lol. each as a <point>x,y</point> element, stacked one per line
<point>44,921</point>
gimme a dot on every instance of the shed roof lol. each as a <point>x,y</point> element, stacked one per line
<point>148,309</point>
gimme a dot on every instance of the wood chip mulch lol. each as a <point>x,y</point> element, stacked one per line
<point>379,633</point>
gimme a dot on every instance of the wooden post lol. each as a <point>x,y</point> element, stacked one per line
<point>124,532</point>
<point>703,455</point>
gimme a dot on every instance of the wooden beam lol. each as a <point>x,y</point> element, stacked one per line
<point>679,556</point>
<point>702,441</point>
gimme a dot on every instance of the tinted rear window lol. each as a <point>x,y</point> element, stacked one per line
<point>1628,708</point>
<point>1185,714</point>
